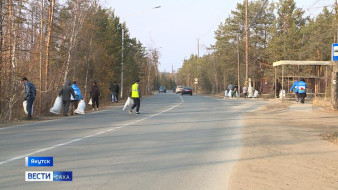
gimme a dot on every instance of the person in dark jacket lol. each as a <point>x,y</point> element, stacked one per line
<point>30,93</point>
<point>114,89</point>
<point>235,90</point>
<point>66,92</point>
<point>277,88</point>
<point>95,94</point>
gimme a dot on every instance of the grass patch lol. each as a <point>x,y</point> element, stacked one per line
<point>322,102</point>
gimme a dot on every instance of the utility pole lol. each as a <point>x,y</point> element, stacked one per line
<point>122,59</point>
<point>238,69</point>
<point>334,89</point>
<point>198,47</point>
<point>336,14</point>
<point>246,42</point>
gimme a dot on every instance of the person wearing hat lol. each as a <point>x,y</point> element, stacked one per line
<point>136,95</point>
<point>30,93</point>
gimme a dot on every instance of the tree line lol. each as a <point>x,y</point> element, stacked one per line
<point>277,31</point>
<point>51,41</point>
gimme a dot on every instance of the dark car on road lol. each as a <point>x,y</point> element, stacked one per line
<point>186,90</point>
<point>162,90</point>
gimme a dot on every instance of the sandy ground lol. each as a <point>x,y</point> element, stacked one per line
<point>283,148</point>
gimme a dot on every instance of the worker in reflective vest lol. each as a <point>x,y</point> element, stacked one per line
<point>136,95</point>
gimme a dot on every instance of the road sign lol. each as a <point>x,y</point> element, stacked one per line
<point>196,82</point>
<point>196,79</point>
<point>334,52</point>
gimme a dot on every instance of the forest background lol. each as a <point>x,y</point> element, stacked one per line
<point>50,42</point>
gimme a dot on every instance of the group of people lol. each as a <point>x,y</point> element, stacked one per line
<point>70,92</point>
<point>71,95</point>
<point>234,90</point>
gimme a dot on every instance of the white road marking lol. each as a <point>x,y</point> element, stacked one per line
<point>88,136</point>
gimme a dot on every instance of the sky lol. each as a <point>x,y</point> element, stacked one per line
<point>175,28</point>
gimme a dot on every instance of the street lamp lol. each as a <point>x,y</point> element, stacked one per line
<point>122,53</point>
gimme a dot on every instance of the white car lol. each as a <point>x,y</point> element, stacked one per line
<point>179,89</point>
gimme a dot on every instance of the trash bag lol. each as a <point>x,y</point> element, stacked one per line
<point>24,104</point>
<point>57,105</point>
<point>90,102</point>
<point>129,103</point>
<point>230,93</point>
<point>282,94</point>
<point>250,91</point>
<point>255,94</point>
<point>81,107</point>
<point>226,93</point>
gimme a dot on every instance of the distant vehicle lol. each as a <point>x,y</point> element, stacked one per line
<point>186,90</point>
<point>179,89</point>
<point>162,90</point>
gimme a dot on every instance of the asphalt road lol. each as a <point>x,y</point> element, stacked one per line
<point>176,143</point>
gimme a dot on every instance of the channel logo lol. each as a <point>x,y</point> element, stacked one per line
<point>39,176</point>
<point>48,176</point>
<point>39,161</point>
<point>62,176</point>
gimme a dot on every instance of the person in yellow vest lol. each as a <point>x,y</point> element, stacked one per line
<point>136,96</point>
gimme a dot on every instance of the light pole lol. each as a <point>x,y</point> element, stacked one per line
<point>122,52</point>
<point>246,42</point>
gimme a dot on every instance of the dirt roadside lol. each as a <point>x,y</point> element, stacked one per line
<point>50,116</point>
<point>38,118</point>
<point>284,148</point>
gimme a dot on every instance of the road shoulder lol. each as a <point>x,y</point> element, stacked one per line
<point>283,149</point>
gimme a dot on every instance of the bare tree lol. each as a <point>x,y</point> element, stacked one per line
<point>49,31</point>
<point>76,26</point>
<point>41,49</point>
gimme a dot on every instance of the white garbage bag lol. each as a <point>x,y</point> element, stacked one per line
<point>230,93</point>
<point>250,91</point>
<point>81,107</point>
<point>282,94</point>
<point>226,93</point>
<point>129,103</point>
<point>57,105</point>
<point>24,104</point>
<point>90,102</point>
<point>255,94</point>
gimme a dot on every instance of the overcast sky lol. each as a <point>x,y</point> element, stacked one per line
<point>175,27</point>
